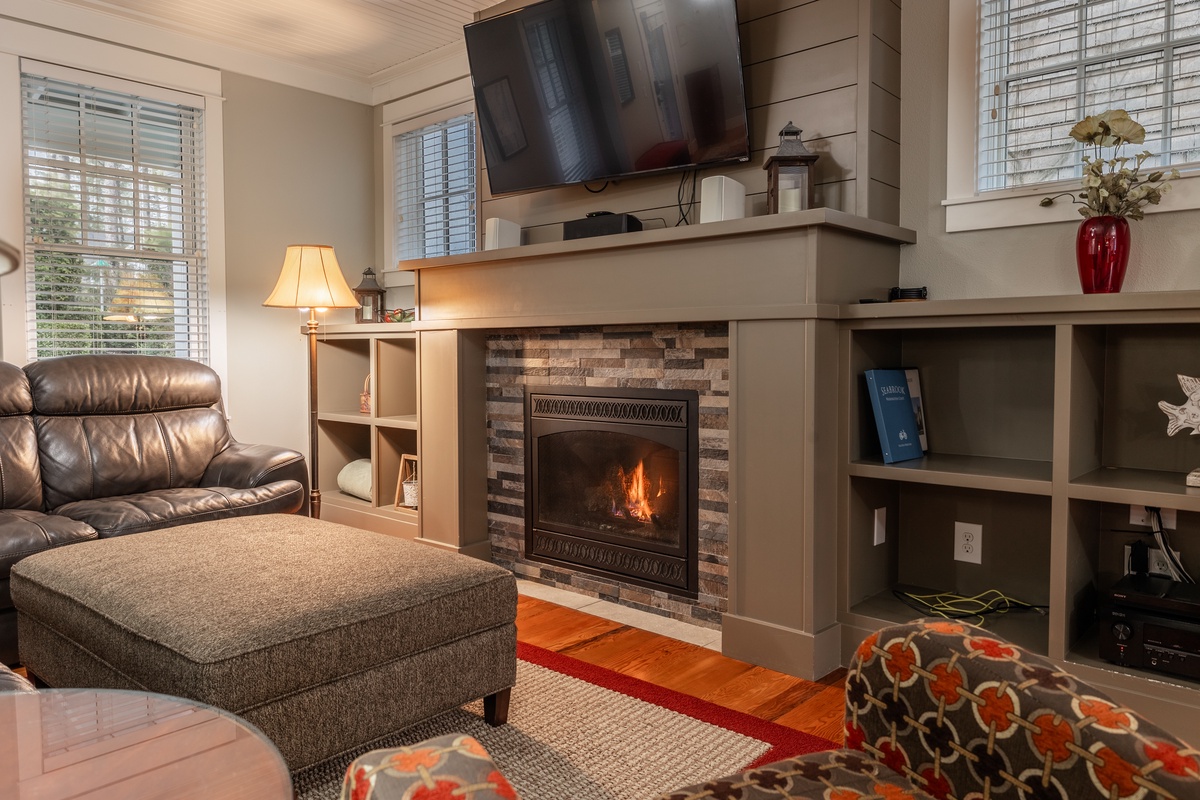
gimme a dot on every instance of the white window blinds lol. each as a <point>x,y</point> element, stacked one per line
<point>1046,64</point>
<point>114,220</point>
<point>435,189</point>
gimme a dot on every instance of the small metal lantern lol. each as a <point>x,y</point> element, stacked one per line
<point>370,298</point>
<point>789,173</point>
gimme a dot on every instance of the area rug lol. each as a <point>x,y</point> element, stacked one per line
<point>587,733</point>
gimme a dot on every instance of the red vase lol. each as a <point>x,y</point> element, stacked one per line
<point>1102,252</point>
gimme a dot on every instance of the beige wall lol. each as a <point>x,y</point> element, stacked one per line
<point>1026,260</point>
<point>298,169</point>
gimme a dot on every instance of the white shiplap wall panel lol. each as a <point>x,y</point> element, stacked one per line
<point>803,65</point>
<point>802,28</point>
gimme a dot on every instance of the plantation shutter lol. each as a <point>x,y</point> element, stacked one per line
<point>114,219</point>
<point>1046,64</point>
<point>435,189</point>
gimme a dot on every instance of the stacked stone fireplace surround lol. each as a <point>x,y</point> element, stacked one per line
<point>664,356</point>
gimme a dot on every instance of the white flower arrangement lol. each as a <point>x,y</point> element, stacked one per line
<point>1114,186</point>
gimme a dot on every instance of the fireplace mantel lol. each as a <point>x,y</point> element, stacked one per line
<point>778,282</point>
<point>781,266</point>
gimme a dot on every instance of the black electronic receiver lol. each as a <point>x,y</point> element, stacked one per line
<point>1152,623</point>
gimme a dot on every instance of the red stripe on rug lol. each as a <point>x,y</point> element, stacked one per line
<point>783,742</point>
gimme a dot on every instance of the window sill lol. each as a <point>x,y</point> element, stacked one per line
<point>1010,209</point>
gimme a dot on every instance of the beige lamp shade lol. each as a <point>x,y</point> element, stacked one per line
<point>311,278</point>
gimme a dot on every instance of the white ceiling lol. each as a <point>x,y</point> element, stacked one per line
<point>360,40</point>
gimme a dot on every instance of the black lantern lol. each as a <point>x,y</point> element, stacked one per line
<point>789,173</point>
<point>370,298</point>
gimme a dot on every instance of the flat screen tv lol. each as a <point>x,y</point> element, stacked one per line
<point>575,91</point>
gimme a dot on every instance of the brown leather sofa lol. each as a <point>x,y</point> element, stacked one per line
<point>99,446</point>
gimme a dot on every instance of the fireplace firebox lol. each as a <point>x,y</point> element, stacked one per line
<point>611,479</point>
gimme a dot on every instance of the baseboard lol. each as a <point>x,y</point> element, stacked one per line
<point>481,550</point>
<point>804,655</point>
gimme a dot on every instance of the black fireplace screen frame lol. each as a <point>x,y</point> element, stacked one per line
<point>669,417</point>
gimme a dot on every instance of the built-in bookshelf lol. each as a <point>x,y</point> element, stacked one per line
<point>383,358</point>
<point>1043,427</point>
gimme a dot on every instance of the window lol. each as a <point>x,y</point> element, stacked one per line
<point>1045,64</point>
<point>115,220</point>
<point>1023,72</point>
<point>435,189</point>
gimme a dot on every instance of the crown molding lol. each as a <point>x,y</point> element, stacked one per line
<point>151,39</point>
<point>437,67</point>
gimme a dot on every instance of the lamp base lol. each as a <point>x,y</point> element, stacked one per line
<point>314,504</point>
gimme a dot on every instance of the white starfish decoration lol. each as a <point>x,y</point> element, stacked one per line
<point>1188,414</point>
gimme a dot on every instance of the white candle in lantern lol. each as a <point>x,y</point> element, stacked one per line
<point>789,200</point>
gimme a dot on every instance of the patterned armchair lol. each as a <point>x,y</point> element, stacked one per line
<point>933,709</point>
<point>947,710</point>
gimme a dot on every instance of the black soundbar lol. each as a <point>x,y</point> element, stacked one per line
<point>600,225</point>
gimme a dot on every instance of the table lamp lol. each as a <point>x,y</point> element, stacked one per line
<point>312,279</point>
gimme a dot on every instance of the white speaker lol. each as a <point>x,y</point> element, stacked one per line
<point>721,198</point>
<point>499,233</point>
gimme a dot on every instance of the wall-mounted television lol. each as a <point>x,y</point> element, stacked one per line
<point>576,91</point>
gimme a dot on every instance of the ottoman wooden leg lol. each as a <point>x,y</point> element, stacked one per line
<point>495,707</point>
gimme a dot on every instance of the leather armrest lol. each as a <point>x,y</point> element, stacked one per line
<point>244,466</point>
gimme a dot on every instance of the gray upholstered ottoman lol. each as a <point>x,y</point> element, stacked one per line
<point>324,636</point>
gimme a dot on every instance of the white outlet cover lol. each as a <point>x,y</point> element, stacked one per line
<point>968,542</point>
<point>880,525</point>
<point>1157,564</point>
<point>1138,515</point>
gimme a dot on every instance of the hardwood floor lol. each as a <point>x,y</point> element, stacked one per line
<point>814,708</point>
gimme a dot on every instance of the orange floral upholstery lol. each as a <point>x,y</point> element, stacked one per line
<point>950,711</point>
<point>449,767</point>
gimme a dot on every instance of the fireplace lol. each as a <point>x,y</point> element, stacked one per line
<point>611,479</point>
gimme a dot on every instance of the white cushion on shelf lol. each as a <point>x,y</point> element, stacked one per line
<point>355,478</point>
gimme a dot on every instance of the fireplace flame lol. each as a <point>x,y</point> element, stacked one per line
<point>631,494</point>
<point>637,493</point>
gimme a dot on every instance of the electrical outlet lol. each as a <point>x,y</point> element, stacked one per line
<point>1138,515</point>
<point>968,542</point>
<point>1156,562</point>
<point>880,525</point>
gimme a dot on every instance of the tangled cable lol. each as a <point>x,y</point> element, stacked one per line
<point>956,606</point>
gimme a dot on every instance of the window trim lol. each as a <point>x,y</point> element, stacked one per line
<point>966,208</point>
<point>102,58</point>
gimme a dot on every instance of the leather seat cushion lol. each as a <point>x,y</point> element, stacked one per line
<point>24,532</point>
<point>162,508</point>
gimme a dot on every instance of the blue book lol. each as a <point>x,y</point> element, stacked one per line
<point>899,436</point>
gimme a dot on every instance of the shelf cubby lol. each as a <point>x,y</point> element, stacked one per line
<point>395,389</point>
<point>391,444</point>
<point>342,369</point>
<point>987,394</point>
<point>1118,434</point>
<point>346,355</point>
<point>340,443</point>
<point>918,551</point>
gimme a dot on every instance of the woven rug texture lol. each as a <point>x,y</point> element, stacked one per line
<point>570,738</point>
